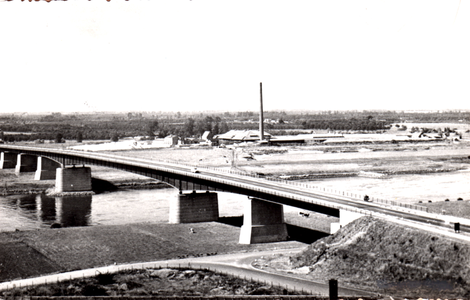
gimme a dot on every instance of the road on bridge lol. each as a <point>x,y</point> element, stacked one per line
<point>368,208</point>
<point>302,196</point>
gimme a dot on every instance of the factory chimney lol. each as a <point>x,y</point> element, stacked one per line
<point>261,118</point>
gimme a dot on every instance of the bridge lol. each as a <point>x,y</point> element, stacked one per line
<point>263,219</point>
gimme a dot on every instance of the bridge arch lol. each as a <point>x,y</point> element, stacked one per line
<point>265,197</point>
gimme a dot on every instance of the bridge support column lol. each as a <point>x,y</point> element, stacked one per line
<point>194,207</point>
<point>263,222</point>
<point>345,217</point>
<point>73,179</point>
<point>8,160</point>
<point>46,169</point>
<point>25,163</point>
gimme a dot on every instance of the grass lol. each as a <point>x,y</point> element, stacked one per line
<point>66,249</point>
<point>154,282</point>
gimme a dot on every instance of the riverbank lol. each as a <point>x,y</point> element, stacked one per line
<point>103,179</point>
<point>383,257</point>
<point>31,253</point>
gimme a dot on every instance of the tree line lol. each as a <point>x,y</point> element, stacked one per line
<point>113,126</point>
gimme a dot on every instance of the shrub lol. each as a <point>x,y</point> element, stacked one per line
<point>94,290</point>
<point>105,279</point>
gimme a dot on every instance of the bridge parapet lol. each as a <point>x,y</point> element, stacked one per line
<point>280,191</point>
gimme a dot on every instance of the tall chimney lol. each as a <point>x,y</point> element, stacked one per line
<point>261,118</point>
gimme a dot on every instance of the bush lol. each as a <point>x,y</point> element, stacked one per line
<point>105,279</point>
<point>94,290</point>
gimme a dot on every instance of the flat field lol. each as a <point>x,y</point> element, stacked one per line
<point>412,158</point>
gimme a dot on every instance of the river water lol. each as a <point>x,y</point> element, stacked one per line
<point>26,212</point>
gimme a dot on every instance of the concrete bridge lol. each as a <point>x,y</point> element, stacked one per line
<point>263,214</point>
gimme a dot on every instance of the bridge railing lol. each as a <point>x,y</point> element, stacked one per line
<point>309,186</point>
<point>304,185</point>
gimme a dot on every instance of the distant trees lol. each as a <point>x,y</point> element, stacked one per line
<point>152,126</point>
<point>115,137</point>
<point>59,138</point>
<point>353,124</point>
<point>105,126</point>
<point>188,128</point>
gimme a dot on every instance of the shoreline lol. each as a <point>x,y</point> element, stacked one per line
<point>29,186</point>
<point>30,253</point>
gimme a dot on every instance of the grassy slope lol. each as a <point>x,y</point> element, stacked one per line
<point>53,250</point>
<point>391,258</point>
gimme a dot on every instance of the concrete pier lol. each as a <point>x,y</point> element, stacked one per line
<point>46,169</point>
<point>263,222</point>
<point>26,163</point>
<point>8,160</point>
<point>73,179</point>
<point>194,207</point>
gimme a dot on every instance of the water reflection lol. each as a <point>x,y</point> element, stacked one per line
<point>69,211</point>
<point>26,212</point>
<point>44,210</point>
<point>27,203</point>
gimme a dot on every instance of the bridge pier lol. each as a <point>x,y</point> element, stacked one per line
<point>46,169</point>
<point>8,160</point>
<point>194,207</point>
<point>26,163</point>
<point>73,179</point>
<point>345,217</point>
<point>263,222</point>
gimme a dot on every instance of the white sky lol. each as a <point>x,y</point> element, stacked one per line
<point>186,55</point>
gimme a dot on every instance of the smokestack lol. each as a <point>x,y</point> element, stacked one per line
<point>261,118</point>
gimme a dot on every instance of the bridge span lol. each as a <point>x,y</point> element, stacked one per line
<point>263,213</point>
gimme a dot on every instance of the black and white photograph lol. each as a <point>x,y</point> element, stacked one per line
<point>222,149</point>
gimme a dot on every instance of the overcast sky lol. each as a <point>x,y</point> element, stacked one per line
<point>199,55</point>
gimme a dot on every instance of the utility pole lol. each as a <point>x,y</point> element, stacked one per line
<point>261,118</point>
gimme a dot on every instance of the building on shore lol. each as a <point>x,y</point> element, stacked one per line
<point>237,136</point>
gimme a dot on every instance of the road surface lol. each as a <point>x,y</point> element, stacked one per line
<point>238,264</point>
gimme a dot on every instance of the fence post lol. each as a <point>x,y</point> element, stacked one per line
<point>333,285</point>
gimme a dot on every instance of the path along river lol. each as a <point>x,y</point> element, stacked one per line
<point>26,212</point>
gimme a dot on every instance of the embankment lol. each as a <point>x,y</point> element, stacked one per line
<point>391,259</point>
<point>26,254</point>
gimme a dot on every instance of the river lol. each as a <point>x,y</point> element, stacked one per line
<point>26,212</point>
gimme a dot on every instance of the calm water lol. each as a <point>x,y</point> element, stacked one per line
<point>25,212</point>
<point>132,206</point>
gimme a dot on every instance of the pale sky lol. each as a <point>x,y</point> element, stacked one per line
<point>199,55</point>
